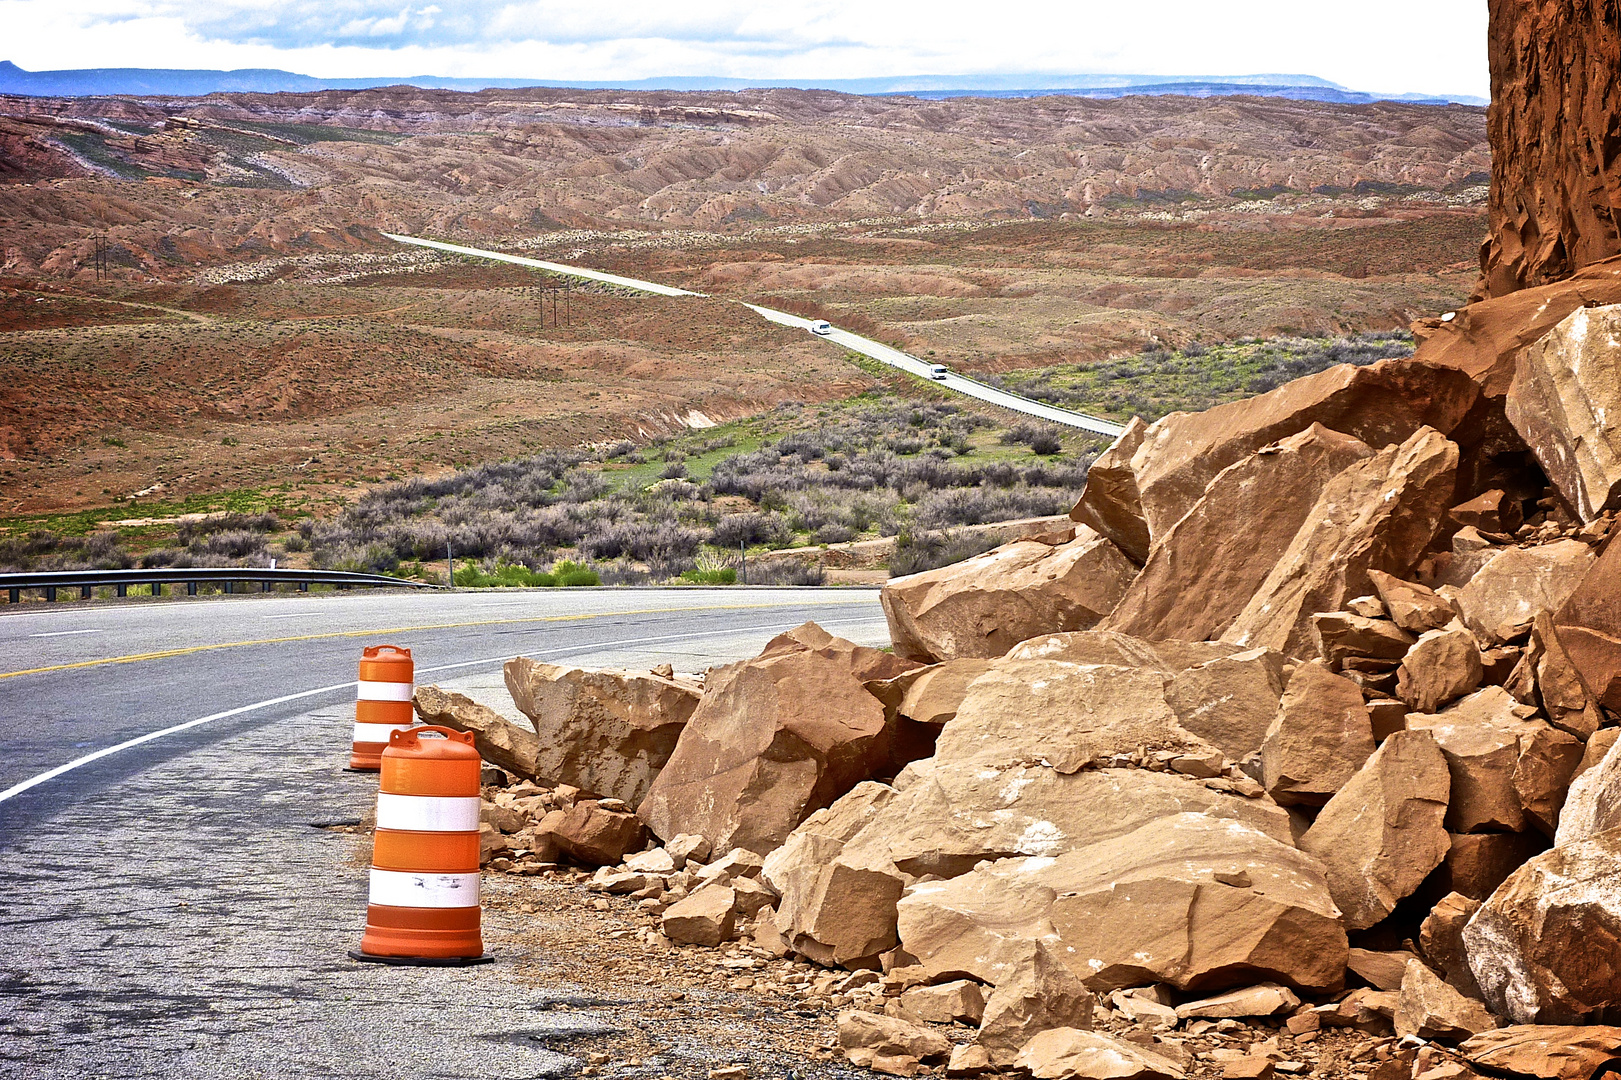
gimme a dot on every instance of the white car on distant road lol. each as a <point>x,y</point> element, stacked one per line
<point>821,327</point>
<point>937,372</point>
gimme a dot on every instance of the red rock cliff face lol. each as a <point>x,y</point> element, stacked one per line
<point>1555,130</point>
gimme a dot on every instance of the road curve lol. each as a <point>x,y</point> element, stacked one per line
<point>875,350</point>
<point>171,911</point>
<point>80,680</point>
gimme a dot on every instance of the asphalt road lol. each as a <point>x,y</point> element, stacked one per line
<point>876,350</point>
<point>169,910</point>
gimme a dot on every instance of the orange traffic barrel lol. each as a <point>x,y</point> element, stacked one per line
<point>424,904</point>
<point>383,704</point>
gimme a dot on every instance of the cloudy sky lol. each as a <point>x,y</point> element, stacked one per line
<point>1391,46</point>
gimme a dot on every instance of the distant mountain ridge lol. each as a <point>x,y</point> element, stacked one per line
<point>181,82</point>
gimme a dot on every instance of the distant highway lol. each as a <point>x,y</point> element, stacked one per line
<point>876,350</point>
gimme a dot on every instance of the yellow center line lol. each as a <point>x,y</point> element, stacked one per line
<point>190,649</point>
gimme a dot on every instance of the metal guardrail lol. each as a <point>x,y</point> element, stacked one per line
<point>86,580</point>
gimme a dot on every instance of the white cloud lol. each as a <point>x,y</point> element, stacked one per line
<point>1386,45</point>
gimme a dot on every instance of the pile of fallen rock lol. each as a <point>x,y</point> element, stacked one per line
<point>1307,726</point>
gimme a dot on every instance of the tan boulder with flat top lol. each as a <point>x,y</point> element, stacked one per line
<point>986,605</point>
<point>1383,832</point>
<point>1379,514</point>
<point>606,732</point>
<point>1201,572</point>
<point>773,740</point>
<point>1564,401</point>
<point>1190,900</point>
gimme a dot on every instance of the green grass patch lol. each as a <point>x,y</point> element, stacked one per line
<point>512,576</point>
<point>725,576</point>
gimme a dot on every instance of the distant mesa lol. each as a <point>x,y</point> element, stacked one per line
<point>180,82</point>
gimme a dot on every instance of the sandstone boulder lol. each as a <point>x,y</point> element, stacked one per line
<point>1343,634</point>
<point>707,917</point>
<point>1037,993</point>
<point>1546,1051</point>
<point>984,606</point>
<point>1069,715</point>
<point>1431,1009</point>
<point>961,1001</point>
<point>1564,401</point>
<point>932,695</point>
<point>1188,900</point>
<point>833,910</point>
<point>1383,832</point>
<point>1555,683</point>
<point>1321,736</point>
<point>1593,803</point>
<point>1503,598</point>
<point>1441,938</point>
<point>593,835</point>
<point>956,814</point>
<point>1263,999</point>
<point>1379,514</point>
<point>1110,504</point>
<point>1122,650</point>
<point>1542,775</point>
<point>1589,627</point>
<point>498,740</point>
<point>1072,1054</point>
<point>773,740</point>
<point>1413,607</point>
<point>1382,405</point>
<point>1442,666</point>
<point>1230,702</point>
<point>1201,571</point>
<point>606,732</point>
<point>1380,970</point>
<point>881,1034</point>
<point>1543,948</point>
<point>1480,738</point>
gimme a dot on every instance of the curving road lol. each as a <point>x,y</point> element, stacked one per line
<point>875,350</point>
<point>170,911</point>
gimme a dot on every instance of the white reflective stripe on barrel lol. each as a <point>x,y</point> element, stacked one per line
<point>377,733</point>
<point>384,691</point>
<point>427,813</point>
<point>406,888</point>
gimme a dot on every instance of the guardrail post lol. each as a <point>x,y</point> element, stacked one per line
<point>123,590</point>
<point>84,592</point>
<point>16,596</point>
<point>157,589</point>
<point>191,588</point>
<point>303,586</point>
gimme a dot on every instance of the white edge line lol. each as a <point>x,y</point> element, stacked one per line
<point>52,774</point>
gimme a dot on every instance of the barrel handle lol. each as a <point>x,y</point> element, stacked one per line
<point>398,735</point>
<point>372,651</point>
